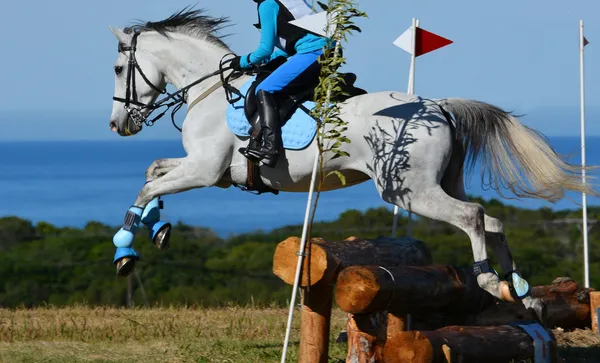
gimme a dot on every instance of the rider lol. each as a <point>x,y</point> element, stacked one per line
<point>278,38</point>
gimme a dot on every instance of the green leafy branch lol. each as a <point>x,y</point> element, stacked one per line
<point>330,134</point>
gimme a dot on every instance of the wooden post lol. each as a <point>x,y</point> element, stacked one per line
<point>594,306</point>
<point>315,318</point>
<point>129,291</point>
<point>363,333</point>
<point>368,334</point>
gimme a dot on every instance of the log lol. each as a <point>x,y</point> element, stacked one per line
<point>409,289</point>
<point>327,258</point>
<point>465,344</point>
<point>315,318</point>
<point>567,303</point>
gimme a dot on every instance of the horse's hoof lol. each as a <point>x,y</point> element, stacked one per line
<point>125,259</point>
<point>125,266</point>
<point>538,306</point>
<point>162,235</point>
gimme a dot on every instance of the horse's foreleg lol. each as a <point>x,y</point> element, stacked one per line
<point>161,167</point>
<point>184,176</point>
<point>159,232</point>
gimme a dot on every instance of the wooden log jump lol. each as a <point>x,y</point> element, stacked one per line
<point>378,282</point>
<point>449,294</point>
<point>319,273</point>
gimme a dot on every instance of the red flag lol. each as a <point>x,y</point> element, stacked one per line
<point>428,42</point>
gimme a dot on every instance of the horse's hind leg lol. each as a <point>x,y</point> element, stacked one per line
<point>495,237</point>
<point>432,202</point>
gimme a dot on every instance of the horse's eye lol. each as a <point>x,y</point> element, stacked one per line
<point>118,70</point>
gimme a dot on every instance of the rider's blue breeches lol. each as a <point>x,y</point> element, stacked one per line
<point>293,75</point>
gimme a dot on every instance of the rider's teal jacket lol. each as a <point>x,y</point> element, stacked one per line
<point>268,12</point>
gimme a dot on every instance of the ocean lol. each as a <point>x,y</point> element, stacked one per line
<point>69,183</point>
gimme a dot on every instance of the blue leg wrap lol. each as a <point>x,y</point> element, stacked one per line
<point>125,252</point>
<point>151,218</point>
<point>151,213</point>
<point>481,267</point>
<point>124,237</point>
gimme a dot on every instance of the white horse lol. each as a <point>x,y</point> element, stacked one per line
<point>409,146</point>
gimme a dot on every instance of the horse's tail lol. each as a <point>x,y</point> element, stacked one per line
<point>514,155</point>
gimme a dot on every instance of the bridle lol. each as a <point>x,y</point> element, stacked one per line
<point>178,98</point>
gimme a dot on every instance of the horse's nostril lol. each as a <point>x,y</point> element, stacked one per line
<point>113,126</point>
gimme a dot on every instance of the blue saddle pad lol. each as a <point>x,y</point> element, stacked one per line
<point>297,133</point>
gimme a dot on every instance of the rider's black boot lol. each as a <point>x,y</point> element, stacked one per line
<point>270,130</point>
<point>252,151</point>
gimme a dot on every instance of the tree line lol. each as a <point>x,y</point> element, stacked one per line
<point>42,264</point>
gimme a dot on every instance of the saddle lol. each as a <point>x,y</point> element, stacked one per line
<point>289,104</point>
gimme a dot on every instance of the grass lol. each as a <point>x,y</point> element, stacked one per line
<point>149,335</point>
<point>234,334</point>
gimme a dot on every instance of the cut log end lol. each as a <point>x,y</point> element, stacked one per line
<point>357,288</point>
<point>408,347</point>
<point>285,261</point>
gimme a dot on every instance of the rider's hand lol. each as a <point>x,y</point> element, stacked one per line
<point>235,64</point>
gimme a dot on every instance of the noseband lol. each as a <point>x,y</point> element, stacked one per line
<point>178,98</point>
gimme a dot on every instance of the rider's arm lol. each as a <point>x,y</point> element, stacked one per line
<point>278,53</point>
<point>267,12</point>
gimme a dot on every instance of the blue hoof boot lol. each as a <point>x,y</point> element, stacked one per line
<point>160,233</point>
<point>151,213</point>
<point>125,260</point>
<point>123,238</point>
<point>519,286</point>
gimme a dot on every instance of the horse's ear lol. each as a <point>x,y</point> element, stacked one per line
<point>122,37</point>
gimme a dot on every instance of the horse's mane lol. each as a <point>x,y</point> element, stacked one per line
<point>188,21</point>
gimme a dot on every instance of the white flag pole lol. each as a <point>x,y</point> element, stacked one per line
<point>300,258</point>
<point>411,90</point>
<point>413,57</point>
<point>583,197</point>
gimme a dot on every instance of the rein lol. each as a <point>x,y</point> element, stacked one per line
<point>178,98</point>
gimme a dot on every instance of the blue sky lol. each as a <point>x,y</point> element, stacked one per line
<point>57,57</point>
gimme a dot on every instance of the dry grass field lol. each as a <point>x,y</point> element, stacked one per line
<point>167,335</point>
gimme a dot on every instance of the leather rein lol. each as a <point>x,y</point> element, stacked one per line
<point>178,99</point>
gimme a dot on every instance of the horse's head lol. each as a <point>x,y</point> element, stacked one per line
<point>138,83</point>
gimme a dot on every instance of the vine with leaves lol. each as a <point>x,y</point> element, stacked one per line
<point>330,134</point>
